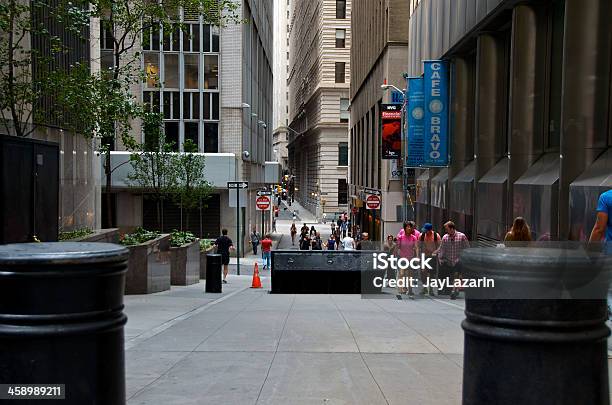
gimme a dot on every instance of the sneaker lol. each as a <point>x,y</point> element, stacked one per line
<point>224,281</point>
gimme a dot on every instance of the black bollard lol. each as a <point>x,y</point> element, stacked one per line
<point>61,319</point>
<point>213,273</point>
<point>539,335</point>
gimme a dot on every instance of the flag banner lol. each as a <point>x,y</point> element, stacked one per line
<point>436,103</point>
<point>415,141</point>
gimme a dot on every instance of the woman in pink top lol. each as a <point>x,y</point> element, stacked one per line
<point>406,248</point>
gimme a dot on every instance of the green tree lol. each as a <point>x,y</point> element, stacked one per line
<point>153,165</point>
<point>190,188</point>
<point>111,104</point>
<point>21,86</point>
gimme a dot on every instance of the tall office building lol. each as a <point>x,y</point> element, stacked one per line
<point>214,87</point>
<point>378,55</point>
<point>280,112</point>
<point>530,110</point>
<point>319,72</point>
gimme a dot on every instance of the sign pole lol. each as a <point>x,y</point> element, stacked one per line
<point>238,231</point>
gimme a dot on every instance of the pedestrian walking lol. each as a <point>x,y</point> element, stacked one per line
<point>294,216</point>
<point>429,242</point>
<point>316,242</point>
<point>331,243</point>
<point>348,243</point>
<point>344,227</point>
<point>254,240</point>
<point>448,254</point>
<point>324,218</point>
<point>266,248</point>
<point>519,232</point>
<point>273,224</point>
<point>406,248</point>
<point>304,242</point>
<point>224,244</point>
<point>304,230</point>
<point>293,232</point>
<point>389,248</point>
<point>365,243</point>
<point>313,231</point>
<point>602,230</point>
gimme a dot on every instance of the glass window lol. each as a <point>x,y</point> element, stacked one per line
<point>344,112</point>
<point>186,106</point>
<point>342,192</point>
<point>172,134</point>
<point>151,65</point>
<point>106,60</point>
<point>151,100</point>
<point>176,105</point>
<point>341,9</point>
<point>106,37</point>
<point>211,137</point>
<point>340,38</point>
<point>211,72</point>
<point>171,70</point>
<point>192,71</point>
<point>207,106</point>
<point>206,38</point>
<point>340,72</point>
<point>215,106</point>
<point>195,38</point>
<point>195,103</point>
<point>191,132</point>
<point>343,154</point>
<point>215,39</point>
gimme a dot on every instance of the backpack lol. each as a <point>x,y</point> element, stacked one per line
<point>422,237</point>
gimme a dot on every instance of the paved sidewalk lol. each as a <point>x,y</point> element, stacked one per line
<point>246,346</point>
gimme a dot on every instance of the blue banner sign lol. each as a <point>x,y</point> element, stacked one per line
<point>436,103</point>
<point>415,141</point>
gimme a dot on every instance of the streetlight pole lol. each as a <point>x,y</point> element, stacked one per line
<point>405,186</point>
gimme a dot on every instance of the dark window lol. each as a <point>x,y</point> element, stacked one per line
<point>215,106</point>
<point>344,110</point>
<point>342,192</point>
<point>211,137</point>
<point>556,67</point>
<point>340,38</point>
<point>206,38</point>
<point>215,39</point>
<point>343,154</point>
<point>191,132</point>
<point>340,72</point>
<point>341,9</point>
<point>172,134</point>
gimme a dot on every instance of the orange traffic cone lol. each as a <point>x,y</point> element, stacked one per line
<point>256,281</point>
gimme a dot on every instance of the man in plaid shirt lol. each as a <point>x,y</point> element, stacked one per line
<point>448,253</point>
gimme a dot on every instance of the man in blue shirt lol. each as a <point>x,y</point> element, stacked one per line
<point>603,225</point>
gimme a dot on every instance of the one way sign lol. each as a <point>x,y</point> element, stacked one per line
<point>237,184</point>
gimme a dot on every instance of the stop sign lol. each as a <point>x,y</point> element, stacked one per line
<point>262,203</point>
<point>373,202</point>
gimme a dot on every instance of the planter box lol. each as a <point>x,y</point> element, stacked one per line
<point>110,235</point>
<point>149,267</point>
<point>185,264</point>
<point>203,261</point>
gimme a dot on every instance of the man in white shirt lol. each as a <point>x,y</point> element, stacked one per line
<point>348,243</point>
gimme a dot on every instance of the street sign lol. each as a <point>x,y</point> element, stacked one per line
<point>262,203</point>
<point>371,191</point>
<point>237,184</point>
<point>373,202</point>
<point>264,192</point>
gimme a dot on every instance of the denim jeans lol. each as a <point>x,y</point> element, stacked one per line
<point>266,258</point>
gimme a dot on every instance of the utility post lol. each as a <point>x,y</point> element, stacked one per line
<point>238,185</point>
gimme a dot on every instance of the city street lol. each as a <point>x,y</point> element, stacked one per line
<point>246,346</point>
